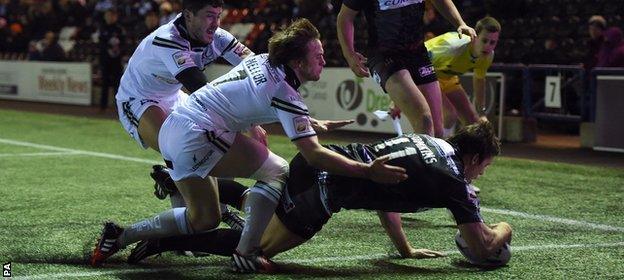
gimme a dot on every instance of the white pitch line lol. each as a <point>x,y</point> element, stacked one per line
<point>553,219</point>
<point>483,209</point>
<point>301,261</point>
<point>83,152</point>
<point>38,154</point>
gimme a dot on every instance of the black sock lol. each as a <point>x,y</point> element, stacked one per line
<point>231,192</point>
<point>218,242</point>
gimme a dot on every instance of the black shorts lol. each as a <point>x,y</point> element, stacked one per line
<point>304,206</point>
<point>382,64</point>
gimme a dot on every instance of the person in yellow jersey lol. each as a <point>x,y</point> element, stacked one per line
<point>453,56</point>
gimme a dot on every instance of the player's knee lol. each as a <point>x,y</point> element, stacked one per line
<point>273,172</point>
<point>203,220</point>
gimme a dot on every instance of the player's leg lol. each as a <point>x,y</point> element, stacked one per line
<point>149,126</point>
<point>413,104</point>
<point>270,171</point>
<point>433,95</point>
<point>277,238</point>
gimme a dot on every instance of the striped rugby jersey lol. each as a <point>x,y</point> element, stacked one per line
<point>252,93</point>
<point>166,52</point>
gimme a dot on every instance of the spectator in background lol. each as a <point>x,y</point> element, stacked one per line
<point>42,18</point>
<point>33,51</point>
<point>166,12</point>
<point>70,12</point>
<point>17,40</point>
<point>597,26</point>
<point>551,54</point>
<point>611,53</point>
<point>149,24</point>
<point>111,38</point>
<point>52,51</point>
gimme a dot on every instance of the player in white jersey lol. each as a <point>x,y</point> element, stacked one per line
<point>202,138</point>
<point>172,56</point>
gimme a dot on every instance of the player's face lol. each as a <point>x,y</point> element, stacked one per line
<point>203,24</point>
<point>474,168</point>
<point>312,65</point>
<point>485,43</point>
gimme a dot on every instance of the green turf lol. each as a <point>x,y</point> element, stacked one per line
<point>53,205</point>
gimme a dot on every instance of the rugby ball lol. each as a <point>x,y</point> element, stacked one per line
<point>499,258</point>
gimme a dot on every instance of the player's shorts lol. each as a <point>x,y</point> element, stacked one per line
<point>383,64</point>
<point>304,207</point>
<point>130,111</point>
<point>450,84</point>
<point>190,150</point>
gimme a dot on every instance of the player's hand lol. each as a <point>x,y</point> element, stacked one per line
<point>424,254</point>
<point>381,172</point>
<point>466,30</point>
<point>259,134</point>
<point>321,126</point>
<point>357,63</point>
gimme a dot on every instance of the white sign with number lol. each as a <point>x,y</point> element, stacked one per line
<point>552,92</point>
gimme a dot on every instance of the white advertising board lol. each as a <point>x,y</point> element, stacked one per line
<point>56,82</point>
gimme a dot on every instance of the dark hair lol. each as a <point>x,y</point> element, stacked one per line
<point>196,5</point>
<point>489,24</point>
<point>477,139</point>
<point>291,43</point>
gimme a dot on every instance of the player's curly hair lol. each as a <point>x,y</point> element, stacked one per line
<point>196,5</point>
<point>291,43</point>
<point>477,139</point>
<point>488,24</point>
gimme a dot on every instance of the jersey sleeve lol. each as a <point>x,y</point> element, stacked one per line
<point>464,204</point>
<point>230,48</point>
<point>354,4</point>
<point>175,54</point>
<point>292,113</point>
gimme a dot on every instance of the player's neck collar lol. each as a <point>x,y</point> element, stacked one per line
<point>291,77</point>
<point>181,26</point>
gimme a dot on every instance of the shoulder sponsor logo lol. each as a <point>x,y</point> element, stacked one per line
<point>301,124</point>
<point>239,49</point>
<point>395,4</point>
<point>180,58</point>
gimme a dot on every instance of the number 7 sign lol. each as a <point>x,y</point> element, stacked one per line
<point>552,92</point>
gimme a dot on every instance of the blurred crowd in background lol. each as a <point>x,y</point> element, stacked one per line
<point>106,32</point>
<point>534,31</point>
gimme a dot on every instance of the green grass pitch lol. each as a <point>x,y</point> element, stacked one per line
<point>61,177</point>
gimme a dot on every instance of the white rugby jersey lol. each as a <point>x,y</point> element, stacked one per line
<point>252,93</point>
<point>167,51</point>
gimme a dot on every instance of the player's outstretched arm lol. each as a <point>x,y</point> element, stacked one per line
<point>391,222</point>
<point>484,240</point>
<point>321,126</point>
<point>328,160</point>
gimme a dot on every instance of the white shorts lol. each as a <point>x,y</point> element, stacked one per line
<point>131,110</point>
<point>190,150</point>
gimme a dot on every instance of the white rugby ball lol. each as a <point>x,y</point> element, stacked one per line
<point>499,258</point>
